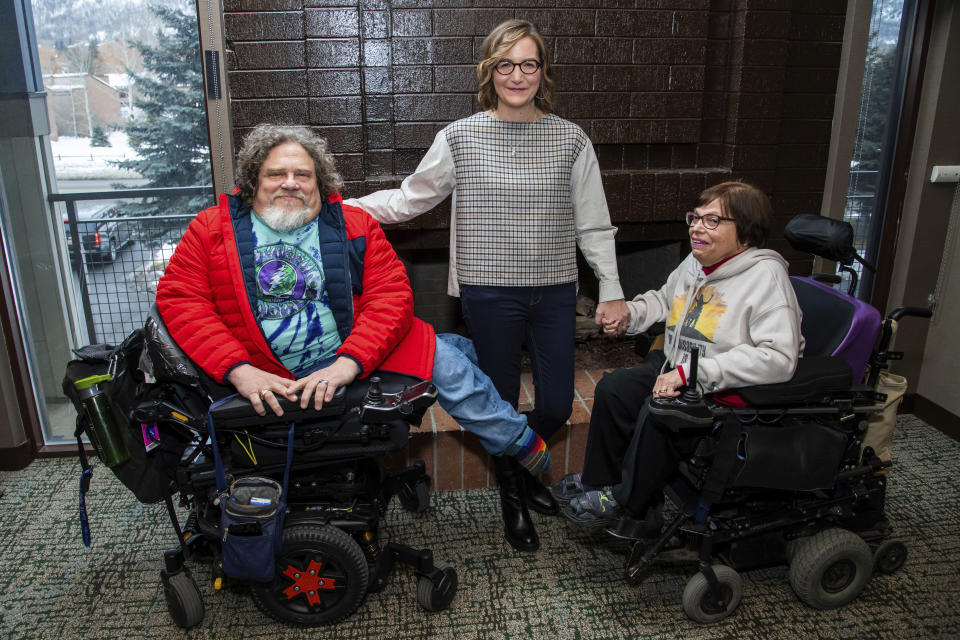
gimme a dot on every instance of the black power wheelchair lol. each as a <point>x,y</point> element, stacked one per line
<point>331,555</point>
<point>787,480</point>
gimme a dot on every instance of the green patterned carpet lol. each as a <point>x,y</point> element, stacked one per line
<point>51,587</point>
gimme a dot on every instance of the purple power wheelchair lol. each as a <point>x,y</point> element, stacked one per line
<point>787,479</point>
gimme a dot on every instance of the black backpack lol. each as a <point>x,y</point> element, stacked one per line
<point>155,450</point>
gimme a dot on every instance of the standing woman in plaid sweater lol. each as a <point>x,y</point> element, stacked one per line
<point>526,193</point>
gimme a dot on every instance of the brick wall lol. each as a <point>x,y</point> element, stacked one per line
<point>675,94</point>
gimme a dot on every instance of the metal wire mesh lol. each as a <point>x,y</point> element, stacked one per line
<point>121,290</point>
<point>118,258</point>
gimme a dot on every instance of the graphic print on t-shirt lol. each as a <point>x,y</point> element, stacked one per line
<point>699,326</point>
<point>287,279</point>
<point>292,306</point>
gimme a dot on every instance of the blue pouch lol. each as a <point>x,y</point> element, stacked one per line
<point>251,518</point>
<point>251,528</point>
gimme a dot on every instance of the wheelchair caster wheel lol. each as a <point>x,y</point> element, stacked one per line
<point>700,603</point>
<point>437,596</point>
<point>831,568</point>
<point>889,556</point>
<point>416,499</point>
<point>183,598</point>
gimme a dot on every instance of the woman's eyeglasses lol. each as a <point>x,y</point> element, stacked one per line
<point>710,221</point>
<point>527,67</point>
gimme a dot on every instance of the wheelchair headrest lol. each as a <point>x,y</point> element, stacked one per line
<point>824,237</point>
<point>835,324</point>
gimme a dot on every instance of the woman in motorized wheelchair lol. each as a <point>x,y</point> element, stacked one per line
<point>731,300</point>
<point>761,473</point>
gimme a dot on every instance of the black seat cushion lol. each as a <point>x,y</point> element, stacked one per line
<point>816,380</point>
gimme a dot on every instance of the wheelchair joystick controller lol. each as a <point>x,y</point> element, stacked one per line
<point>686,411</point>
<point>374,393</point>
<point>690,394</point>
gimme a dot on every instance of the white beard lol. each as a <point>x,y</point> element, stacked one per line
<point>284,220</point>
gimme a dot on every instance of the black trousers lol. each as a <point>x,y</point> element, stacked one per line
<point>625,447</point>
<point>503,319</point>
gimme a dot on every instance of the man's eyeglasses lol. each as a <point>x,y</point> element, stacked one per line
<point>527,67</point>
<point>710,221</point>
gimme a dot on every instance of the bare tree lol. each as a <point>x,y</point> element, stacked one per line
<point>80,57</point>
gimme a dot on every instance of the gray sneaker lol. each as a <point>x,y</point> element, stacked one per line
<point>568,488</point>
<point>593,509</point>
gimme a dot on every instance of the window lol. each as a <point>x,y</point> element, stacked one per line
<point>129,164</point>
<point>876,135</point>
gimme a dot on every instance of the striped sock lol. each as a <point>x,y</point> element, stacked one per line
<point>531,452</point>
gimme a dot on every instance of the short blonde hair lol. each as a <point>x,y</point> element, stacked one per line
<point>495,48</point>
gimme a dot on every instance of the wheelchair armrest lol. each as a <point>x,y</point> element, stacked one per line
<point>238,412</point>
<point>383,397</point>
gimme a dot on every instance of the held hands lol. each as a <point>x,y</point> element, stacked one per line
<point>322,384</point>
<point>261,388</point>
<point>668,385</point>
<point>613,316</point>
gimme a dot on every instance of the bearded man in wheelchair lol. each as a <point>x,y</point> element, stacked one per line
<point>286,294</point>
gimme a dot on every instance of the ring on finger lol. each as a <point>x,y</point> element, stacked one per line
<point>262,393</point>
<point>323,381</point>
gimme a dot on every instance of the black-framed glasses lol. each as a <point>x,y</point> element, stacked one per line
<point>710,220</point>
<point>527,67</point>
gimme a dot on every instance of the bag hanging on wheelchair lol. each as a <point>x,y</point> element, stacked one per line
<point>251,517</point>
<point>879,435</point>
<point>149,454</point>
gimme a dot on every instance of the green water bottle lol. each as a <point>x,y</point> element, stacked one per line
<point>106,436</point>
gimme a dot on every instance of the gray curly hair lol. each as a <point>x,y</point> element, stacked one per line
<point>260,142</point>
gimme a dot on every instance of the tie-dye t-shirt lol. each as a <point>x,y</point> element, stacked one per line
<point>292,305</point>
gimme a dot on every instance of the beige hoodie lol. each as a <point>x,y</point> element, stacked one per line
<point>743,318</point>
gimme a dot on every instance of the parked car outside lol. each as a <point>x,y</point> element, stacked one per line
<point>103,233</point>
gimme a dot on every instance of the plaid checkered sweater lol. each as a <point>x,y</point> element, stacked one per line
<point>514,219</point>
<point>525,195</point>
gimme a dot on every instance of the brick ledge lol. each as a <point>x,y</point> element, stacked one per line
<point>455,459</point>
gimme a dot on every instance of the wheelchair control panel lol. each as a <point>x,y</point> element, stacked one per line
<point>688,410</point>
<point>382,407</point>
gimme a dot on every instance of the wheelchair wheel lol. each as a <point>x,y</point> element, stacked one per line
<point>321,577</point>
<point>890,556</point>
<point>437,597</point>
<point>831,568</point>
<point>416,499</point>
<point>701,605</point>
<point>183,598</point>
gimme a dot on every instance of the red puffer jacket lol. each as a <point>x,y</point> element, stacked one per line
<point>205,305</point>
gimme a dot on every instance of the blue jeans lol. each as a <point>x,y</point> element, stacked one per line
<point>503,319</point>
<point>468,395</point>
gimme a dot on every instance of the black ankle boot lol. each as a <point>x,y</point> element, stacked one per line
<point>537,496</point>
<point>517,524</point>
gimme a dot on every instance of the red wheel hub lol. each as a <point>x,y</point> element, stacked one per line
<point>307,582</point>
